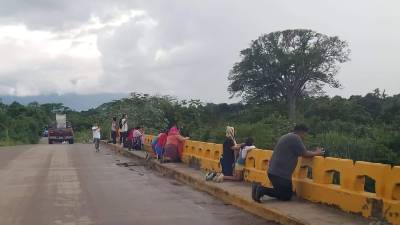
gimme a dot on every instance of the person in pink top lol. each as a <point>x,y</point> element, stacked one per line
<point>174,140</point>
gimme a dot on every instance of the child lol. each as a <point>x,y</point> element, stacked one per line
<point>159,147</point>
<point>96,137</point>
<point>137,139</point>
<point>240,163</point>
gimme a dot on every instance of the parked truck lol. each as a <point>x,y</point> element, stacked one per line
<point>60,130</point>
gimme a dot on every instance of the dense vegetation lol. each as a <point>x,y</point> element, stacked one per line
<point>360,127</point>
<point>21,124</point>
<point>24,124</point>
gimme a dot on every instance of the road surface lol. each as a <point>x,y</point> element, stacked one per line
<point>71,184</point>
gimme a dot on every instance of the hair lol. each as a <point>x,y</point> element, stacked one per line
<point>249,141</point>
<point>300,128</point>
<point>114,118</point>
<point>230,133</point>
<point>171,125</point>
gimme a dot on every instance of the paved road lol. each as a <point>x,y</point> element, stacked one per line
<point>71,184</point>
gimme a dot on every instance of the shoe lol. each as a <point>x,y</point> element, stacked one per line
<point>254,186</point>
<point>215,177</point>
<point>210,175</point>
<point>207,175</point>
<point>258,194</point>
<point>219,178</point>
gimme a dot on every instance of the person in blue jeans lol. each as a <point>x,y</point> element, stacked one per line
<point>282,164</point>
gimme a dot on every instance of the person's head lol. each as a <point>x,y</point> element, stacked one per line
<point>230,132</point>
<point>173,131</point>
<point>114,118</point>
<point>301,130</point>
<point>171,125</point>
<point>249,141</point>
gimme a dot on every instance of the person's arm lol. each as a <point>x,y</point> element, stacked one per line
<point>318,152</point>
<point>236,147</point>
<point>181,138</point>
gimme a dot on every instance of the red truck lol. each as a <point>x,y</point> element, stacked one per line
<point>61,130</point>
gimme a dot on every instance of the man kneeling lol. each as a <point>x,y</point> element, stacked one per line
<point>282,164</point>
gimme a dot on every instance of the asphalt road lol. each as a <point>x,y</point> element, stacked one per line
<point>71,184</point>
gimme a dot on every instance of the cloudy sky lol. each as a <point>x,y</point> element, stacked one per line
<point>180,47</point>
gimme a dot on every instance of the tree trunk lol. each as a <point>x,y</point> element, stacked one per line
<point>292,108</point>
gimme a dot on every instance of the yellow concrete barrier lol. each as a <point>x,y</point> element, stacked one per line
<point>332,181</point>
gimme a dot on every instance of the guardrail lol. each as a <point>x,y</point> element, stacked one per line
<point>332,181</point>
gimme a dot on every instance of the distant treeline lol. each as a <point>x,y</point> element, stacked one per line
<point>21,124</point>
<point>24,124</point>
<point>359,128</point>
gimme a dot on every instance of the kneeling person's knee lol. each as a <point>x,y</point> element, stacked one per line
<point>285,193</point>
<point>285,197</point>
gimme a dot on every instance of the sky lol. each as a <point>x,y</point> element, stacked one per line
<point>179,47</point>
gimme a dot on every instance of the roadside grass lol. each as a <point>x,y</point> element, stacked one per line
<point>84,137</point>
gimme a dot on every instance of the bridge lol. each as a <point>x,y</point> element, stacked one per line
<point>71,184</point>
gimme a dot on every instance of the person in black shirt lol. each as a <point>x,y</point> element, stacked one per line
<point>228,155</point>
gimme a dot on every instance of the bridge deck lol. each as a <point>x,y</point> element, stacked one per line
<point>71,184</point>
<point>238,193</point>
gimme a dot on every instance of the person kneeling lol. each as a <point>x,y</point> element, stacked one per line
<point>282,164</point>
<point>240,163</point>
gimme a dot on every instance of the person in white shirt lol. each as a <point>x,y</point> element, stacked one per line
<point>124,129</point>
<point>96,136</point>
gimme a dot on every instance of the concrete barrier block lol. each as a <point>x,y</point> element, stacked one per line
<point>391,211</point>
<point>217,152</point>
<point>375,171</point>
<point>332,181</point>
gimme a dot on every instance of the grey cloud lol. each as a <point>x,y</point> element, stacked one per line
<point>195,43</point>
<point>57,14</point>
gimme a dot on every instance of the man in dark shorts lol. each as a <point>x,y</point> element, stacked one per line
<point>282,164</point>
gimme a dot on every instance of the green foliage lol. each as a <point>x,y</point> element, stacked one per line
<point>286,65</point>
<point>84,136</point>
<point>359,128</point>
<point>22,124</point>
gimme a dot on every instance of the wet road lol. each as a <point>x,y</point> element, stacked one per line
<point>71,184</point>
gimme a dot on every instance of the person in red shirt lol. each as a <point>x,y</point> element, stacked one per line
<point>172,145</point>
<point>161,141</point>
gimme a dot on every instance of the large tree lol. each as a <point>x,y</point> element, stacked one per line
<point>287,65</point>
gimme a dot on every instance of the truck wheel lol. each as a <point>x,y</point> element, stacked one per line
<point>71,141</point>
<point>50,142</point>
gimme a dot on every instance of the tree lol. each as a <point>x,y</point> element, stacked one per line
<point>286,65</point>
